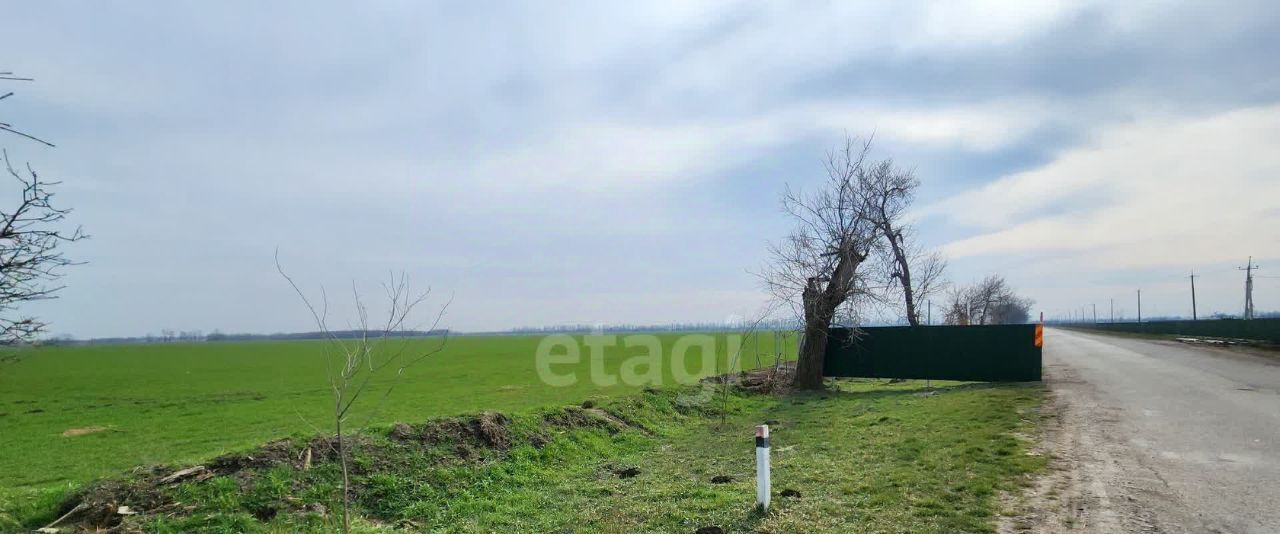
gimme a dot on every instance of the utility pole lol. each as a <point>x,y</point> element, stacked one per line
<point>1095,314</point>
<point>1113,311</point>
<point>1139,305</point>
<point>929,318</point>
<point>1193,296</point>
<point>1248,288</point>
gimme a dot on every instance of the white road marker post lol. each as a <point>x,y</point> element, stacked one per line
<point>763,491</point>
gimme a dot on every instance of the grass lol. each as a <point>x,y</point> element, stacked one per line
<point>868,457</point>
<point>183,403</point>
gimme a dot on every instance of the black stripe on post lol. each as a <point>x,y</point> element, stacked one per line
<point>762,442</point>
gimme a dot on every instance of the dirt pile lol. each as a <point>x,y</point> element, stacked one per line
<point>572,417</point>
<point>765,380</point>
<point>279,452</point>
<point>469,436</point>
<point>126,502</point>
<point>105,504</point>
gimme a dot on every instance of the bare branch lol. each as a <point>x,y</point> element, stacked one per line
<point>369,357</point>
<point>30,256</point>
<point>8,76</point>
<point>27,135</point>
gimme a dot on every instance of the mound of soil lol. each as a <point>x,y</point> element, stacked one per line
<point>767,380</point>
<point>402,432</point>
<point>470,437</point>
<point>124,503</point>
<point>577,417</point>
<point>489,429</point>
<point>280,452</point>
<point>539,440</point>
<point>104,504</point>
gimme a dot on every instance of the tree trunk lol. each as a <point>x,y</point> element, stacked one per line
<point>820,307</point>
<point>809,366</point>
<point>904,276</point>
<point>346,477</point>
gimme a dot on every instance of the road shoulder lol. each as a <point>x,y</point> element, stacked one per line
<point>1093,483</point>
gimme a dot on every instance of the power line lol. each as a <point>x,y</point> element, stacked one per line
<point>1164,286</point>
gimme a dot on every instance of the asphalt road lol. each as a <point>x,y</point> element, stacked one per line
<point>1161,436</point>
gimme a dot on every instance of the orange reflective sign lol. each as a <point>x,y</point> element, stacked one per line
<point>1039,335</point>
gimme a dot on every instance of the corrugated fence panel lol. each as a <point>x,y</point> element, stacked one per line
<point>1257,329</point>
<point>999,353</point>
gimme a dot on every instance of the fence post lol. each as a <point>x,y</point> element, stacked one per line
<point>763,490</point>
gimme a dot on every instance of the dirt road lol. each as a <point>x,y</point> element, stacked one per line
<point>1157,436</point>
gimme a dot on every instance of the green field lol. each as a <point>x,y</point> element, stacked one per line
<point>864,456</point>
<point>184,403</point>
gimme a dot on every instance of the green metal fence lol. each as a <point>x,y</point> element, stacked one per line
<point>1256,329</point>
<point>1000,353</point>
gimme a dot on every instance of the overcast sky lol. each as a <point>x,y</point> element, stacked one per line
<point>596,162</point>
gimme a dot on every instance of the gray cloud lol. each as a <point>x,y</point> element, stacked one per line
<point>585,163</point>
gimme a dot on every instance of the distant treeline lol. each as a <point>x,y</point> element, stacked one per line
<point>772,324</point>
<point>188,337</point>
<point>340,334</point>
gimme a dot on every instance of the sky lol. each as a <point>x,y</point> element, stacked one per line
<point>610,162</point>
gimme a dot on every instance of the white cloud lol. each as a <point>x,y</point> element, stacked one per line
<point>601,156</point>
<point>974,126</point>
<point>1163,191</point>
<point>984,22</point>
<point>617,155</point>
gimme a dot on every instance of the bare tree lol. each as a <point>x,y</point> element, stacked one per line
<point>929,278</point>
<point>917,272</point>
<point>985,297</point>
<point>354,364</point>
<point>816,267</point>
<point>956,310</point>
<point>31,235</point>
<point>1011,309</point>
<point>989,301</point>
